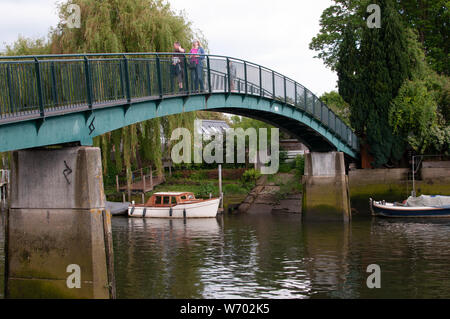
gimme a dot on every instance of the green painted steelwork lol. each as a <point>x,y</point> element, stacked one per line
<point>56,99</point>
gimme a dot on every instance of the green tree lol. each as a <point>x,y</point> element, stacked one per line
<point>428,17</point>
<point>111,26</point>
<point>369,79</point>
<point>28,46</point>
<point>336,103</point>
<point>420,111</point>
<point>333,23</point>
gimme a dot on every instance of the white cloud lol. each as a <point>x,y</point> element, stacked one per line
<point>29,18</point>
<point>273,33</point>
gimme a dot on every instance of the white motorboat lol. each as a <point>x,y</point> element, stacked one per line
<point>175,205</point>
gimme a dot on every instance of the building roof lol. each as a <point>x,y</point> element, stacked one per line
<point>210,127</point>
<point>171,193</point>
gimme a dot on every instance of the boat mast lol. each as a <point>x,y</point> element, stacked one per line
<point>413,192</point>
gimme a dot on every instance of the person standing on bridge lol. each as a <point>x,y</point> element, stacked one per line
<point>196,66</point>
<point>178,64</point>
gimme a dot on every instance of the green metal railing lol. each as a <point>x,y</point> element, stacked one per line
<point>42,86</point>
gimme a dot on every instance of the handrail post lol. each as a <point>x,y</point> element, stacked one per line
<point>186,76</point>
<point>260,82</point>
<point>228,75</point>
<point>285,90</point>
<point>87,73</point>
<point>321,107</point>
<point>39,86</point>
<point>329,118</point>
<point>273,85</point>
<point>127,79</point>
<point>295,93</point>
<point>158,71</point>
<point>54,90</point>
<point>149,79</point>
<point>305,97</point>
<point>208,65</point>
<point>314,106</point>
<point>245,77</point>
<point>10,88</point>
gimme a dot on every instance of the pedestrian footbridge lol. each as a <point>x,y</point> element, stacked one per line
<point>58,99</point>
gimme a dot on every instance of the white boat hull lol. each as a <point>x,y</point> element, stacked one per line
<point>202,209</point>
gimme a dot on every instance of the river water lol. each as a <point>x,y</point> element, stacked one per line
<point>267,255</point>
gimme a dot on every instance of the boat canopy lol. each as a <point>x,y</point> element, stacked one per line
<point>428,201</point>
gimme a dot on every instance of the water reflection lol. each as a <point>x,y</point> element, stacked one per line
<point>225,258</point>
<point>266,255</point>
<point>276,256</point>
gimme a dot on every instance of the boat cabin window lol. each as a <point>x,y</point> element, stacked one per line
<point>173,200</point>
<point>183,197</point>
<point>190,196</point>
<point>166,200</point>
<point>158,200</point>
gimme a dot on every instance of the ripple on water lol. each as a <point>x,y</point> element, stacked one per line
<point>277,257</point>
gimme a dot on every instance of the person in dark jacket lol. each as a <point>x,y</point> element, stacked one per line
<point>178,64</point>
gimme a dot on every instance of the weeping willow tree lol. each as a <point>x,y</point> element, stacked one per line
<point>111,26</point>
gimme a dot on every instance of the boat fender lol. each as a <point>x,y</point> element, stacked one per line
<point>184,213</point>
<point>170,211</point>
<point>132,211</point>
<point>145,212</point>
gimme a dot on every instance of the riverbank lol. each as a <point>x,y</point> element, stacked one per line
<point>279,193</point>
<point>394,185</point>
<point>202,183</point>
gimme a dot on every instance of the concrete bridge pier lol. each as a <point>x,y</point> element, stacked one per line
<point>58,233</point>
<point>325,188</point>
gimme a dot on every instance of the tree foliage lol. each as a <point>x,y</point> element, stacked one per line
<point>370,73</point>
<point>428,17</point>
<point>337,104</point>
<point>386,75</point>
<point>111,26</point>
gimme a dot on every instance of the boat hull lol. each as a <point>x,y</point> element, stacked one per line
<point>201,209</point>
<point>389,210</point>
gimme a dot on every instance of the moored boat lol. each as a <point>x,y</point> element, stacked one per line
<point>175,205</point>
<point>422,206</point>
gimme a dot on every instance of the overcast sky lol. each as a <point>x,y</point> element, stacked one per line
<point>273,33</point>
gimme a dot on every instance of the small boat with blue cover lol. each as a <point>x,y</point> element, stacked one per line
<point>422,206</point>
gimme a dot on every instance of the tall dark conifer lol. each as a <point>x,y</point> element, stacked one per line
<point>370,77</point>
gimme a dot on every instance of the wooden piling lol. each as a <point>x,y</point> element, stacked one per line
<point>220,186</point>
<point>143,181</point>
<point>151,177</point>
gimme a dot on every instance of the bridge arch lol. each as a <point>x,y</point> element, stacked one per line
<point>58,99</point>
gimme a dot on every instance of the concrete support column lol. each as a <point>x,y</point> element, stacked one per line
<point>58,234</point>
<point>325,188</point>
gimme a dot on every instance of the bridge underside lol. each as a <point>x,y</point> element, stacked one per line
<point>84,124</point>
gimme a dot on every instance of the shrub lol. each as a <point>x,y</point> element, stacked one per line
<point>250,176</point>
<point>233,189</point>
<point>300,165</point>
<point>206,189</point>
